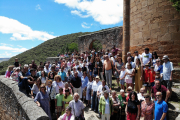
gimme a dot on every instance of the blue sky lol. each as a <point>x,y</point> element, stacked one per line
<point>24,24</point>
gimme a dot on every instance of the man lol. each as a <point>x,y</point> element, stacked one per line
<point>108,67</point>
<point>146,57</point>
<point>130,62</point>
<point>46,69</point>
<point>161,108</point>
<point>129,55</point>
<point>76,84</point>
<point>140,95</point>
<point>77,107</point>
<point>95,86</point>
<point>114,49</point>
<point>136,56</point>
<point>33,77</point>
<point>41,67</point>
<point>167,73</point>
<point>160,88</point>
<point>34,65</point>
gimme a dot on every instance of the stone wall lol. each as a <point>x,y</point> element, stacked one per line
<point>16,104</point>
<point>52,59</point>
<point>155,24</point>
<point>107,37</point>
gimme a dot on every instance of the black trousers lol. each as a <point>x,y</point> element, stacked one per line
<point>52,108</point>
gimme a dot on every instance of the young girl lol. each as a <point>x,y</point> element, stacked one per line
<point>14,75</point>
<point>121,77</point>
<point>88,91</point>
<point>128,75</point>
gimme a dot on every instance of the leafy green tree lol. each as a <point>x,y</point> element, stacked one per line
<point>73,46</point>
<point>176,4</point>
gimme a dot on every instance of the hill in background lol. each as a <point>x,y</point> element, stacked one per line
<point>4,59</point>
<point>49,48</point>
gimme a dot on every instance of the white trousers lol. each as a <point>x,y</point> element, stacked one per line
<point>105,117</point>
<point>78,90</point>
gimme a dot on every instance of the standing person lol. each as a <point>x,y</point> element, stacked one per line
<point>43,77</point>
<point>108,67</point>
<point>141,95</point>
<point>146,57</point>
<point>122,99</point>
<point>100,66</point>
<point>167,73</point>
<point>76,84</point>
<point>46,69</point>
<point>63,75</point>
<point>161,108</point>
<point>51,91</point>
<point>52,72</point>
<point>77,107</point>
<point>122,76</point>
<point>115,50</point>
<point>152,75</point>
<point>116,106</point>
<point>136,56</point>
<point>34,65</point>
<point>133,107</point>
<point>42,100</point>
<point>129,55</point>
<point>95,86</point>
<point>59,102</point>
<point>138,75</point>
<point>158,67</point>
<point>66,86</point>
<point>58,83</point>
<point>118,66</point>
<point>147,108</point>
<point>91,67</point>
<point>105,106</point>
<point>96,71</point>
<point>146,77</point>
<point>88,92</point>
<point>154,58</point>
<point>35,88</point>
<point>16,63</point>
<point>67,98</point>
<point>129,75</point>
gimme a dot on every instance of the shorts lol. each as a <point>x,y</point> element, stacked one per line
<point>146,84</point>
<point>90,73</point>
<point>128,80</point>
<point>59,109</point>
<point>122,82</point>
<point>168,84</point>
<point>152,84</point>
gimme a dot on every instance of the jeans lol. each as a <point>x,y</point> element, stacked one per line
<point>94,101</point>
<point>108,74</point>
<point>24,85</point>
<point>90,73</point>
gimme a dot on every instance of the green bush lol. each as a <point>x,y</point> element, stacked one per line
<point>176,4</point>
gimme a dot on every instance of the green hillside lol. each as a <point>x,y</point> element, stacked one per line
<point>39,53</point>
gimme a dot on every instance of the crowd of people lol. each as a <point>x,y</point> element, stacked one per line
<point>65,87</point>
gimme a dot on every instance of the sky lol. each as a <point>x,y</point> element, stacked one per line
<point>24,24</point>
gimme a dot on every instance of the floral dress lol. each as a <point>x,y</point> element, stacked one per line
<point>147,110</point>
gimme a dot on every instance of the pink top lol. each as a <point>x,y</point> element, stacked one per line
<point>8,74</point>
<point>147,110</point>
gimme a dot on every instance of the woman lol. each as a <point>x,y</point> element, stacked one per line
<point>147,108</point>
<point>51,91</point>
<point>15,73</point>
<point>105,101</point>
<point>84,80</point>
<point>68,115</point>
<point>122,99</point>
<point>67,98</point>
<point>138,75</point>
<point>63,75</point>
<point>118,66</point>
<point>43,77</point>
<point>58,83</point>
<point>42,100</point>
<point>35,88</point>
<point>154,58</point>
<point>8,72</point>
<point>88,92</point>
<point>158,66</point>
<point>67,87</point>
<point>116,106</point>
<point>133,107</point>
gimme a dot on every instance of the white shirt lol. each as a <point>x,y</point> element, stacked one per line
<point>43,80</point>
<point>112,58</point>
<point>58,85</point>
<point>107,109</point>
<point>167,68</point>
<point>146,58</point>
<point>139,56</point>
<point>132,64</point>
<point>80,74</point>
<point>62,116</point>
<point>95,85</point>
<point>109,54</point>
<point>128,71</point>
<point>100,89</point>
<point>140,97</point>
<point>122,74</point>
<point>47,70</point>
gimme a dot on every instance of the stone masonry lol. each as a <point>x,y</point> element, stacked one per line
<point>108,38</point>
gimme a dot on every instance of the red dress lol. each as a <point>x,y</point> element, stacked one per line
<point>147,110</point>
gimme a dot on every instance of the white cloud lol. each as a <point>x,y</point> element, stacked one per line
<point>4,44</point>
<point>13,49</point>
<point>6,55</point>
<point>85,25</point>
<point>38,7</point>
<point>19,45</point>
<point>104,11</point>
<point>20,31</point>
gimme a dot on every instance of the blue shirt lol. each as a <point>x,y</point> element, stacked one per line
<point>84,81</point>
<point>160,69</point>
<point>63,75</point>
<point>160,108</point>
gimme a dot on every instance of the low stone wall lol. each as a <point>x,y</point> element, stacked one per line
<point>52,59</point>
<point>16,104</point>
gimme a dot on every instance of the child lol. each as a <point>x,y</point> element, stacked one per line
<point>96,70</point>
<point>121,76</point>
<point>88,92</point>
<point>146,77</point>
<point>59,102</point>
<point>128,75</point>
<point>152,75</point>
<point>16,63</point>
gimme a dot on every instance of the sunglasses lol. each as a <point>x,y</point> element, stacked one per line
<point>157,61</point>
<point>129,90</point>
<point>158,95</point>
<point>146,97</point>
<point>42,87</point>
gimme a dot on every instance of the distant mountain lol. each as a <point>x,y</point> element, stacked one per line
<point>49,48</point>
<point>4,59</point>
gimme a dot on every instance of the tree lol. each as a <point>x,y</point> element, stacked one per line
<point>176,4</point>
<point>73,46</point>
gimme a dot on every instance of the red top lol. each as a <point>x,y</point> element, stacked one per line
<point>162,89</point>
<point>146,74</point>
<point>152,76</point>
